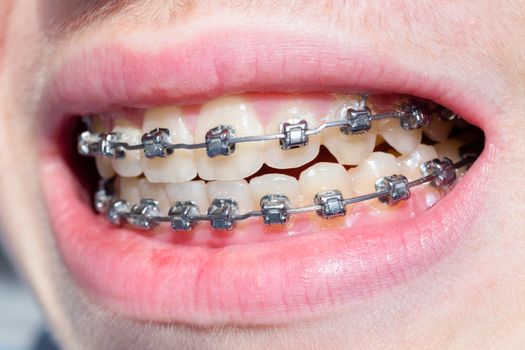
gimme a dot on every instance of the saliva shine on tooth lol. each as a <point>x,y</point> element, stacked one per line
<point>275,209</point>
<point>221,140</point>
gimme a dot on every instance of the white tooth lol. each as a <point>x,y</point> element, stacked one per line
<point>403,141</point>
<point>377,165</point>
<point>275,183</point>
<point>449,149</point>
<point>292,112</point>
<point>349,149</point>
<point>155,191</point>
<point>238,190</point>
<point>247,158</point>
<point>409,163</point>
<point>438,130</point>
<point>128,189</point>
<point>179,166</point>
<point>322,177</point>
<point>131,164</point>
<point>194,191</point>
<point>104,167</point>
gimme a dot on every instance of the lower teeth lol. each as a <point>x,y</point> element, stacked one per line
<point>223,213</point>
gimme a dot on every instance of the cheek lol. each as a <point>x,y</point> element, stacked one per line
<point>5,10</point>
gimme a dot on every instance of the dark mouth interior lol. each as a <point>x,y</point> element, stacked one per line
<point>85,169</point>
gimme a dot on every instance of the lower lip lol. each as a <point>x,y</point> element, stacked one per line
<point>262,283</point>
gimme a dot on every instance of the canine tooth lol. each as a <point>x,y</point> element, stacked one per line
<point>409,163</point>
<point>349,149</point>
<point>275,183</point>
<point>278,158</point>
<point>128,189</point>
<point>179,166</point>
<point>154,191</point>
<point>247,158</point>
<point>324,176</point>
<point>238,190</point>
<point>131,165</point>
<point>401,140</point>
<point>377,165</point>
<point>188,191</point>
<point>104,167</point>
<point>438,130</point>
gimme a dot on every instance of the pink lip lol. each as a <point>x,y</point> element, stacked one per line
<point>263,283</point>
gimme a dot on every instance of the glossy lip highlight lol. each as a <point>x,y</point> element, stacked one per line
<point>263,283</point>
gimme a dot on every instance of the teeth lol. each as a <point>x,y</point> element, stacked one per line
<point>179,166</point>
<point>154,191</point>
<point>401,140</point>
<point>449,149</point>
<point>349,149</point>
<point>275,184</point>
<point>278,158</point>
<point>131,165</point>
<point>105,167</point>
<point>189,191</point>
<point>409,163</point>
<point>438,130</point>
<point>238,190</point>
<point>377,165</point>
<point>128,189</point>
<point>324,177</point>
<point>248,157</point>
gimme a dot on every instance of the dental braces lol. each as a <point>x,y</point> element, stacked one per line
<point>223,213</point>
<point>221,140</point>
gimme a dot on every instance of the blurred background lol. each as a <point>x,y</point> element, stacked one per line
<point>21,324</point>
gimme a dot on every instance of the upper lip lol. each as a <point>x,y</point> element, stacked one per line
<point>326,269</point>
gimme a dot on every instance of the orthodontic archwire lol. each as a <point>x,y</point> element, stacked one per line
<point>223,213</point>
<point>221,140</point>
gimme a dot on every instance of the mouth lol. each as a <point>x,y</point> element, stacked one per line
<point>254,198</point>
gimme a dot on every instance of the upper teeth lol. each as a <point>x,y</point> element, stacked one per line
<point>246,158</point>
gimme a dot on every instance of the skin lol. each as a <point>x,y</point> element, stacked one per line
<point>473,298</point>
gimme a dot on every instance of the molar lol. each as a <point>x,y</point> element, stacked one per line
<point>449,149</point>
<point>248,157</point>
<point>194,191</point>
<point>364,176</point>
<point>409,163</point>
<point>292,112</point>
<point>438,130</point>
<point>322,177</point>
<point>131,165</point>
<point>179,166</point>
<point>275,184</point>
<point>238,190</point>
<point>403,141</point>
